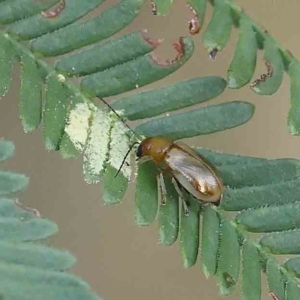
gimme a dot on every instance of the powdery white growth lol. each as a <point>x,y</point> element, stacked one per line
<point>96,150</point>
<point>119,146</point>
<point>78,125</point>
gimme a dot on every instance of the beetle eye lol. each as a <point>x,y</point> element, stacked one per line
<point>139,151</point>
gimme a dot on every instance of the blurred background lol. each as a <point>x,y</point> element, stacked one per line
<point>119,259</point>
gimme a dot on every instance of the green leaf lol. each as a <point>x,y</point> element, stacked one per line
<point>55,111</point>
<point>7,149</point>
<point>163,6</point>
<point>210,240</point>
<point>38,25</point>
<point>273,57</point>
<point>242,67</point>
<point>183,94</point>
<point>9,209</point>
<point>13,10</point>
<point>292,290</point>
<point>17,230</point>
<point>31,94</point>
<point>189,232</point>
<point>32,283</point>
<point>168,216</point>
<point>294,113</point>
<point>146,199</point>
<point>106,56</point>
<point>135,73</point>
<point>36,256</point>
<point>199,121</point>
<point>81,34</point>
<point>293,266</point>
<point>271,218</point>
<point>229,258</point>
<point>200,8</point>
<point>276,279</point>
<point>271,194</point>
<point>12,182</point>
<point>6,64</point>
<point>218,31</point>
<point>251,273</point>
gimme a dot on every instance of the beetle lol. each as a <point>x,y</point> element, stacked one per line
<point>189,170</point>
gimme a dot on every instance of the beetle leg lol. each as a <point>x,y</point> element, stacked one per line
<point>179,192</point>
<point>162,187</point>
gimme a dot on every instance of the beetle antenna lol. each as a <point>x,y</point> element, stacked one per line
<point>124,159</point>
<point>123,121</point>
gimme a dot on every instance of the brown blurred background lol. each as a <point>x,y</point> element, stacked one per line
<point>119,259</point>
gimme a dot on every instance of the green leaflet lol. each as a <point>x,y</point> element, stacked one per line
<point>229,258</point>
<point>7,149</point>
<point>218,31</point>
<point>146,194</point>
<point>17,230</point>
<point>210,240</point>
<point>163,6</point>
<point>30,94</point>
<point>6,64</point>
<point>251,273</point>
<point>13,10</point>
<point>285,242</point>
<point>81,34</point>
<point>271,218</point>
<point>292,290</point>
<point>12,182</point>
<point>183,94</point>
<point>271,194</point>
<point>51,285</point>
<point>293,266</point>
<point>273,57</point>
<point>36,256</point>
<point>276,279</point>
<point>168,216</point>
<point>200,8</point>
<point>293,118</point>
<point>9,209</point>
<point>135,73</point>
<point>205,120</point>
<point>55,111</point>
<point>38,25</point>
<point>189,232</point>
<point>242,67</point>
<point>106,56</point>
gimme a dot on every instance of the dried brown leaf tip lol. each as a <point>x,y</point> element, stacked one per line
<point>273,296</point>
<point>153,8</point>
<point>194,23</point>
<point>264,76</point>
<point>54,12</point>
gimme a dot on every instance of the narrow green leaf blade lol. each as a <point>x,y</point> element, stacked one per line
<point>272,194</point>
<point>201,121</point>
<point>276,280</point>
<point>38,25</point>
<point>200,8</point>
<point>13,10</point>
<point>163,6</point>
<point>229,258</point>
<point>105,56</point>
<point>135,73</point>
<point>210,240</point>
<point>294,113</point>
<point>189,232</point>
<point>168,216</point>
<point>7,149</point>
<point>251,273</point>
<point>146,195</point>
<point>36,256</point>
<point>6,64</point>
<point>218,31</point>
<point>273,57</point>
<point>55,112</point>
<point>31,94</point>
<point>293,266</point>
<point>17,230</point>
<point>9,209</point>
<point>242,67</point>
<point>12,182</point>
<point>292,290</point>
<point>183,94</point>
<point>285,242</point>
<point>271,218</point>
<point>82,34</point>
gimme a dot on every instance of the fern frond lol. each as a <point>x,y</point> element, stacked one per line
<point>30,269</point>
